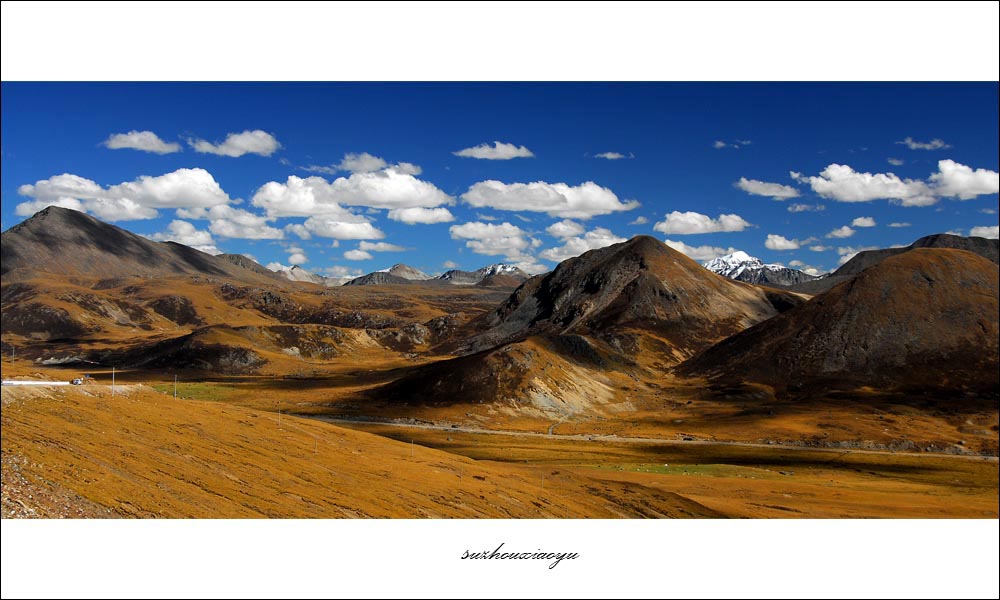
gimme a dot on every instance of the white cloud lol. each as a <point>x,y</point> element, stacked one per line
<point>357,255</point>
<point>841,232</point>
<point>147,141</point>
<point>276,266</point>
<point>341,230</point>
<point>797,208</point>
<point>844,184</point>
<point>237,144</point>
<point>297,258</point>
<point>230,222</point>
<point>186,233</point>
<point>934,144</point>
<point>988,211</point>
<point>341,272</point>
<point>449,264</point>
<point>565,229</point>
<point>776,191</point>
<point>498,151</point>
<point>737,144</point>
<point>138,199</point>
<point>848,252</point>
<point>388,188</point>
<point>896,162</point>
<point>486,238</point>
<point>897,225</point>
<point>557,199</point>
<point>699,252</point>
<point>613,155</point>
<point>780,242</point>
<point>807,269</point>
<point>363,162</point>
<point>863,222</point>
<point>598,237</point>
<point>639,221</point>
<point>820,248</point>
<point>986,231</point>
<point>687,223</point>
<point>957,180</point>
<point>380,247</point>
<point>418,214</point>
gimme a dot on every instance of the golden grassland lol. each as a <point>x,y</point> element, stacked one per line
<point>222,450</point>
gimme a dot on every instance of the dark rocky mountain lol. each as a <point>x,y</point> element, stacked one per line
<point>641,286</point>
<point>926,317</point>
<point>500,280</point>
<point>379,278</point>
<point>70,243</point>
<point>986,248</point>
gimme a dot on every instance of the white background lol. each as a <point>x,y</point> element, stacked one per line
<point>868,41</point>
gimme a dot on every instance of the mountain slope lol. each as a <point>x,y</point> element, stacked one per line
<point>640,285</point>
<point>986,248</point>
<point>742,267</point>
<point>925,317</point>
<point>457,277</point>
<point>406,272</point>
<point>67,242</point>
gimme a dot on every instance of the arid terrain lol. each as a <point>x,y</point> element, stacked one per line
<point>628,382</point>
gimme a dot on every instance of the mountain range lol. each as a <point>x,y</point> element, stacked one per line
<point>742,267</point>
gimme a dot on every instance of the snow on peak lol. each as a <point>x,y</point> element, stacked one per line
<point>733,264</point>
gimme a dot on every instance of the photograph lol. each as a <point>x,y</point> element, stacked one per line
<point>480,288</point>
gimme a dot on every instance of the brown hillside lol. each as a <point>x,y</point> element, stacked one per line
<point>641,285</point>
<point>925,318</point>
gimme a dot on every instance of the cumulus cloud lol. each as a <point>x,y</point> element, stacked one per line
<point>896,162</point>
<point>699,252</point>
<point>297,258</point>
<point>331,227</point>
<point>988,211</point>
<point>487,238</point>
<point>986,231</point>
<point>844,184</point>
<point>780,242</point>
<point>557,199</point>
<point>363,162</point>
<point>957,180</point>
<point>226,221</point>
<point>863,222</point>
<point>841,232</point>
<point>598,237</point>
<point>419,214</point>
<point>357,255</point>
<point>687,223</point>
<point>276,266</point>
<point>498,151</point>
<point>380,247</point>
<point>146,141</point>
<point>449,264</point>
<point>820,248</point>
<point>639,221</point>
<point>388,188</point>
<point>186,233</point>
<point>131,200</point>
<point>934,144</point>
<point>797,208</point>
<point>565,229</point>
<point>896,225</point>
<point>257,142</point>
<point>737,144</point>
<point>341,272</point>
<point>613,155</point>
<point>776,191</point>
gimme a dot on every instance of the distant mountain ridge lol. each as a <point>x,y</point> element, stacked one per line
<point>742,267</point>
<point>458,277</point>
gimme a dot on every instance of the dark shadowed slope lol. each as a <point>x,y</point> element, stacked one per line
<point>67,242</point>
<point>922,318</point>
<point>863,260</point>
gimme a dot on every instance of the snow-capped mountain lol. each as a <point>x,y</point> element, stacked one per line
<point>457,277</point>
<point>742,267</point>
<point>297,273</point>
<point>406,272</point>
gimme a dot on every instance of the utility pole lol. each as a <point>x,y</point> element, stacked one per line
<point>175,387</point>
<point>112,381</point>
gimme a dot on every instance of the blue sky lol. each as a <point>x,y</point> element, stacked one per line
<point>352,177</point>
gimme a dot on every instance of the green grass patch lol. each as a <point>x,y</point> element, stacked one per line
<point>212,392</point>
